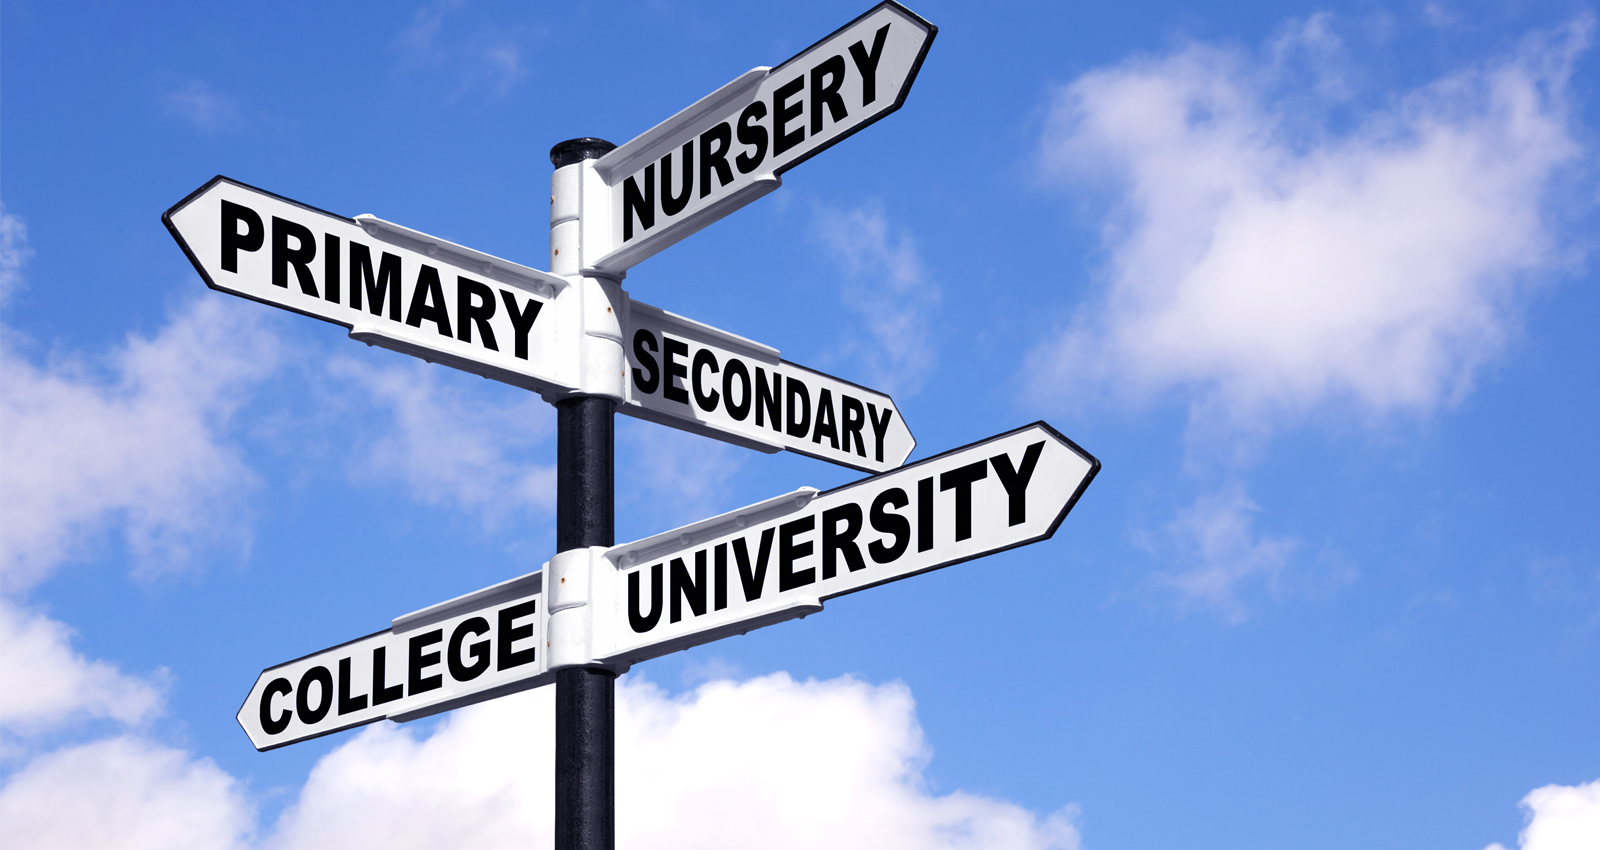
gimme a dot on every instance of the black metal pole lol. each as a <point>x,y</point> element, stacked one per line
<point>585,514</point>
<point>585,724</point>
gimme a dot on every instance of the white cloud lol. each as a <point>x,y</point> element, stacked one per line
<point>425,25</point>
<point>143,447</point>
<point>14,252</point>
<point>1560,817</point>
<point>451,447</point>
<point>200,105</point>
<point>705,770</point>
<point>1265,260</point>
<point>889,289</point>
<point>488,59</point>
<point>1221,554</point>
<point>675,477</point>
<point>49,686</point>
<point>123,794</point>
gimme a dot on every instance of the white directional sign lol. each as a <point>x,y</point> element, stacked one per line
<point>391,286</point>
<point>477,647</point>
<point>694,377</point>
<point>753,567</point>
<point>730,147</point>
<point>424,296</point>
<point>782,558</point>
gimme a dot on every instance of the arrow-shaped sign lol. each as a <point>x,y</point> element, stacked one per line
<point>749,568</point>
<point>470,649</point>
<point>694,377</point>
<point>446,303</point>
<point>730,147</point>
<point>782,558</point>
<point>391,286</point>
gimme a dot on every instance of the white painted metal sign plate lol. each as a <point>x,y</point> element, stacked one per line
<point>730,147</point>
<point>389,285</point>
<point>692,376</point>
<point>782,558</point>
<point>478,647</point>
<point>760,565</point>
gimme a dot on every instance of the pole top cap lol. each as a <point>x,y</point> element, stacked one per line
<point>573,151</point>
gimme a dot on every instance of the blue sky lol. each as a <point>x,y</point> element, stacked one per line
<point>1313,281</point>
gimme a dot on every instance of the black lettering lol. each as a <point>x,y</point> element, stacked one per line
<point>799,414</point>
<point>251,240</point>
<point>474,306</point>
<point>427,302</point>
<point>879,428</point>
<point>835,541</point>
<point>753,134</point>
<point>961,480</point>
<point>330,267</point>
<point>924,514</point>
<point>521,320</point>
<point>304,252</point>
<point>348,703</point>
<point>674,204</point>
<point>1016,481</point>
<point>634,203</point>
<point>302,696</point>
<point>707,401</point>
<point>475,627</point>
<point>381,694</point>
<point>508,634</point>
<point>825,420</point>
<point>783,112</point>
<point>789,551</point>
<point>827,93</point>
<point>753,576</point>
<point>715,160</point>
<point>277,687</point>
<point>855,418</point>
<point>418,661</point>
<point>867,64</point>
<point>638,621</point>
<point>670,390</point>
<point>719,572</point>
<point>896,526</point>
<point>644,342</point>
<point>738,410</point>
<point>769,399</point>
<point>381,288</point>
<point>686,589</point>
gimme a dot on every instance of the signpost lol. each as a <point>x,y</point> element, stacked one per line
<point>574,336</point>
<point>616,606</point>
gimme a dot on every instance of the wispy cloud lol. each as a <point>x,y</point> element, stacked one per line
<point>1264,263</point>
<point>14,253</point>
<point>48,685</point>
<point>141,444</point>
<point>449,446</point>
<point>889,289</point>
<point>199,104</point>
<point>485,60</point>
<point>1218,556</point>
<point>678,477</point>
